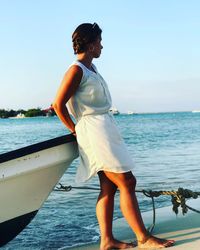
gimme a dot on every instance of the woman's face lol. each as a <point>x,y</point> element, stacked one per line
<point>96,48</point>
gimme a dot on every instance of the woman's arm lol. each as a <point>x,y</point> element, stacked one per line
<point>68,87</point>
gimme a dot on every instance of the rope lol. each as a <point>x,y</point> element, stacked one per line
<point>178,198</point>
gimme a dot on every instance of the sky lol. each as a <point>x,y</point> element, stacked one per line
<point>150,58</point>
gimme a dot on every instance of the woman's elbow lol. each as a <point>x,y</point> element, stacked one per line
<point>58,105</point>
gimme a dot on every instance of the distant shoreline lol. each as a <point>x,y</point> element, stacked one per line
<point>32,113</point>
<point>21,113</point>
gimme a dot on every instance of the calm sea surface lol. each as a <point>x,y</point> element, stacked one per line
<point>165,148</point>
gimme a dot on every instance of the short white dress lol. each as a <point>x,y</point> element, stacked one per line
<point>100,144</point>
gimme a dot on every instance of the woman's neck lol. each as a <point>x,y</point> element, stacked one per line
<point>85,59</point>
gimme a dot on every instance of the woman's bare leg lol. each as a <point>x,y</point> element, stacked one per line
<point>126,183</point>
<point>104,210</point>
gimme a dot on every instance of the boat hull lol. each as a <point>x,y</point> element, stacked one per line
<point>17,224</point>
<point>27,180</point>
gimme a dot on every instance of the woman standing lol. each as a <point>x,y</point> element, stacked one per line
<point>101,148</point>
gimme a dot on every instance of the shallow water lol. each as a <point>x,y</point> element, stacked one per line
<point>165,149</point>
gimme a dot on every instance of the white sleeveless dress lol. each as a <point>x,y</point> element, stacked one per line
<point>101,147</point>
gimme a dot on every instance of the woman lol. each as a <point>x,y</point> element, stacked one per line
<point>102,150</point>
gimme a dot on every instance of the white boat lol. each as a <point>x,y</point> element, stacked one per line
<point>20,115</point>
<point>27,177</point>
<point>185,230</point>
<point>130,113</point>
<point>114,111</point>
<point>195,111</point>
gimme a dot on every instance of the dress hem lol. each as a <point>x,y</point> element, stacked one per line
<point>103,169</point>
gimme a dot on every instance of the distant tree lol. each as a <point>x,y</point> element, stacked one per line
<point>12,113</point>
<point>21,111</point>
<point>3,113</point>
<point>29,113</point>
<point>7,113</point>
<point>34,112</point>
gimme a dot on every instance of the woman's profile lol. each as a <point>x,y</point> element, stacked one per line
<point>101,148</point>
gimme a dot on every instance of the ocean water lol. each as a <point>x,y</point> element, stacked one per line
<point>165,149</point>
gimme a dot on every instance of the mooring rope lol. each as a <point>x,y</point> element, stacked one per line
<point>178,198</point>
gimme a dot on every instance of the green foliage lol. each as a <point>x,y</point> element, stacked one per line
<point>29,113</point>
<point>34,112</point>
<point>7,113</point>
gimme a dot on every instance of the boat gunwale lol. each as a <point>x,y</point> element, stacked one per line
<point>14,154</point>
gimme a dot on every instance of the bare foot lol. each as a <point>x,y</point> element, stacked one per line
<point>116,244</point>
<point>152,242</point>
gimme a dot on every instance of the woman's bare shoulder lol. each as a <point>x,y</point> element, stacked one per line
<point>74,70</point>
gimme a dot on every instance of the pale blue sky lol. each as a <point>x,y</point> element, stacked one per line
<point>150,59</point>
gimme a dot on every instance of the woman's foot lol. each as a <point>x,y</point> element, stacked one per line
<point>152,242</point>
<point>116,244</point>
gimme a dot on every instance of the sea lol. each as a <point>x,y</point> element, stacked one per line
<point>164,147</point>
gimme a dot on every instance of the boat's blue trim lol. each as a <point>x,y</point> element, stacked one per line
<point>11,228</point>
<point>36,147</point>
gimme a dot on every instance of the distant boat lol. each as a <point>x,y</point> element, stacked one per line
<point>20,115</point>
<point>196,111</point>
<point>130,113</point>
<point>27,177</point>
<point>114,111</point>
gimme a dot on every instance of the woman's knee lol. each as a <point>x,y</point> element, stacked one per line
<point>122,180</point>
<point>108,188</point>
<point>128,182</point>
